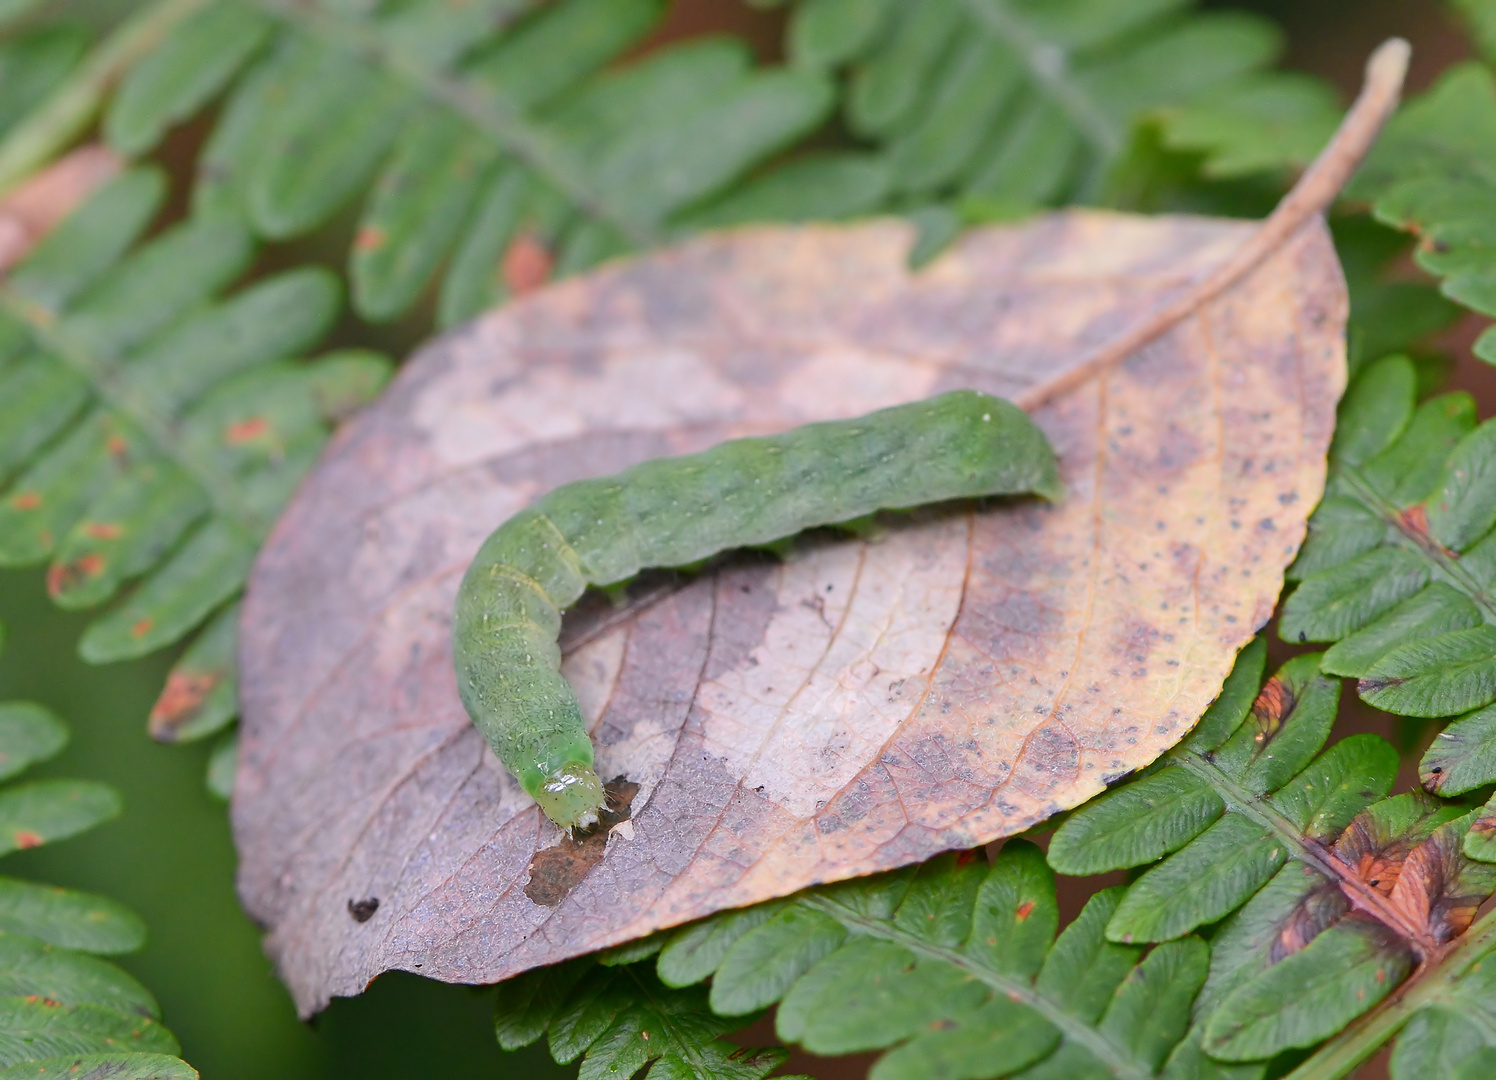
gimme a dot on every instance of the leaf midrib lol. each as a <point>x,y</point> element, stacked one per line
<point>1117,1060</point>
<point>1421,543</point>
<point>1310,852</point>
<point>1049,70</point>
<point>1430,984</point>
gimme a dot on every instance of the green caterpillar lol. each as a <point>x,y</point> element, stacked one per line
<point>677,511</point>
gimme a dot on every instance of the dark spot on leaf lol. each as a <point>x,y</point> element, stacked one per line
<point>363,910</point>
<point>556,871</point>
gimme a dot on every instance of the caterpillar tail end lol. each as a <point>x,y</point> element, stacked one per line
<point>572,796</point>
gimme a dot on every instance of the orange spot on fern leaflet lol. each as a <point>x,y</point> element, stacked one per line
<point>1414,522</point>
<point>246,430</point>
<point>25,838</point>
<point>63,576</point>
<point>1271,708</point>
<point>179,702</point>
<point>116,445</point>
<point>103,530</point>
<point>1025,909</point>
<point>527,264</point>
<point>140,629</point>
<point>26,500</point>
<point>369,239</point>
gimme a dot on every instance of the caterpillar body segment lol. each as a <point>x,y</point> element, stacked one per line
<point>677,511</point>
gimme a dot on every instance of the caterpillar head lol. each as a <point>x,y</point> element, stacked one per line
<point>572,796</point>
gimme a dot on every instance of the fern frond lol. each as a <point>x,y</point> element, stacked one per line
<point>1399,568</point>
<point>620,1019</point>
<point>150,430</point>
<point>952,967</point>
<point>1432,175</point>
<point>59,1003</point>
<point>487,122</point>
<point>1337,895</point>
<point>1058,88</point>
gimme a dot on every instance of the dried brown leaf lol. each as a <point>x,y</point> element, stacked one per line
<point>862,706</point>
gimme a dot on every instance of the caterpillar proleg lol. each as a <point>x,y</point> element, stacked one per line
<point>676,511</point>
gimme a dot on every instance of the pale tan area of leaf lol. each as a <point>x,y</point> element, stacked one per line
<point>31,210</point>
<point>861,705</point>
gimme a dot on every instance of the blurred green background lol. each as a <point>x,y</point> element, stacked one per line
<point>170,856</point>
